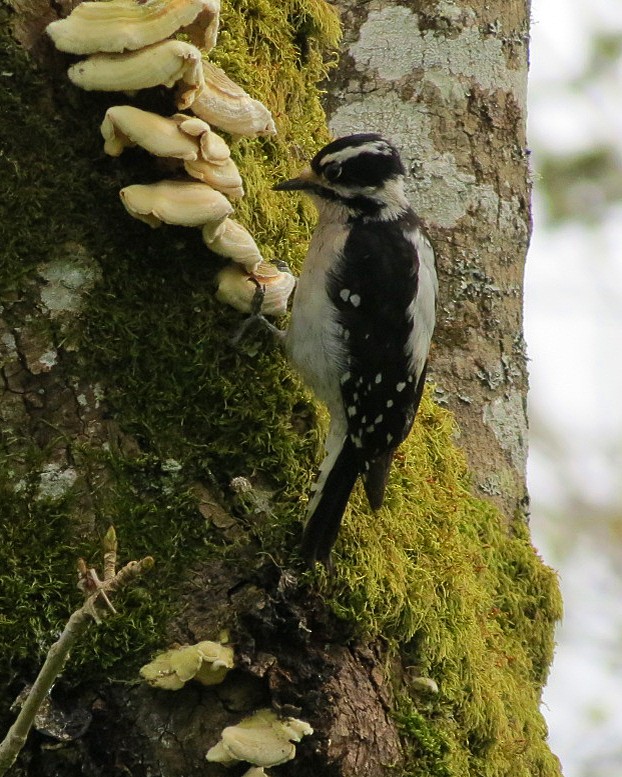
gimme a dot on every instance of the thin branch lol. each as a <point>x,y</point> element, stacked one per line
<point>97,592</point>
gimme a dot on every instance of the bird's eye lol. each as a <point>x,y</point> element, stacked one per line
<point>332,171</point>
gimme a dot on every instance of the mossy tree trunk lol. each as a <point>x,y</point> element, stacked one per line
<point>124,402</point>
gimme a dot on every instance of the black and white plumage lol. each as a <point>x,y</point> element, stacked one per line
<point>362,320</point>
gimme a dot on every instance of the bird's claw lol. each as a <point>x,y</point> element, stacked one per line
<point>256,317</point>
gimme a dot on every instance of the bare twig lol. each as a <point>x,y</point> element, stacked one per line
<point>96,602</point>
<point>110,553</point>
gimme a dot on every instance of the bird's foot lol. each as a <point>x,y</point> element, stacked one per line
<point>256,318</point>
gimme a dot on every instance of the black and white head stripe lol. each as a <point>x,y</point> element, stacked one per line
<point>358,161</point>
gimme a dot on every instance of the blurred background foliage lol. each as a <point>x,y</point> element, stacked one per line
<point>573,312</point>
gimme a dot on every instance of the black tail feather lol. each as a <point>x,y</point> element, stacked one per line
<point>320,532</point>
<point>375,480</point>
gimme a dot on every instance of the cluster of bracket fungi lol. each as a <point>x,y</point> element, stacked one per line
<point>131,46</point>
<point>262,739</point>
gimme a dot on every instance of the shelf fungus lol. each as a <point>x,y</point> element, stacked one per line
<point>180,136</point>
<point>224,104</point>
<point>263,739</point>
<point>185,203</point>
<point>164,63</point>
<point>237,287</point>
<point>124,126</point>
<point>212,147</point>
<point>223,176</point>
<point>131,45</point>
<point>119,25</point>
<point>206,662</point>
<point>235,242</point>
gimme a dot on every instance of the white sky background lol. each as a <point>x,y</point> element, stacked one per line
<point>574,333</point>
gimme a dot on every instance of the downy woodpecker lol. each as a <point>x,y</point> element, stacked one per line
<point>361,323</point>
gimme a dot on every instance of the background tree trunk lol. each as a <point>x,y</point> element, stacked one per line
<point>124,402</point>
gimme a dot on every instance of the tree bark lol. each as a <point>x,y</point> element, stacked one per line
<point>448,82</point>
<point>123,401</point>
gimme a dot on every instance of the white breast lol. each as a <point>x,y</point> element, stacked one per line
<point>314,340</point>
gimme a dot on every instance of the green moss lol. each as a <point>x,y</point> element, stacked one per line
<point>155,327</point>
<point>152,334</point>
<point>38,557</point>
<point>460,598</point>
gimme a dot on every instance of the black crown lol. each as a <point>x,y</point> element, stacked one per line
<point>360,160</point>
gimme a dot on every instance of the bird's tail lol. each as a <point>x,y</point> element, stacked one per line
<point>334,486</point>
<point>376,477</point>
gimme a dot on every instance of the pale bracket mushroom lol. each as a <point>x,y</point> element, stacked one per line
<point>224,104</point>
<point>213,147</point>
<point>237,287</point>
<point>163,63</point>
<point>206,662</point>
<point>180,136</point>
<point>185,203</point>
<point>263,739</point>
<point>223,176</point>
<point>119,25</point>
<point>124,126</point>
<point>256,771</point>
<point>234,242</point>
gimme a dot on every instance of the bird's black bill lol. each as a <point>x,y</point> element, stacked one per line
<point>293,185</point>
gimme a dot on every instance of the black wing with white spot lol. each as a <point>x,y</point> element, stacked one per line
<point>373,289</point>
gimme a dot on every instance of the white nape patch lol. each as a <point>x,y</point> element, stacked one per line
<point>390,197</point>
<point>379,378</point>
<point>352,411</point>
<point>380,147</point>
<point>379,419</point>
<point>389,439</point>
<point>389,403</point>
<point>344,294</point>
<point>355,299</point>
<point>400,387</point>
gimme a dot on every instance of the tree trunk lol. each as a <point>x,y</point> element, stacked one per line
<point>124,402</point>
<point>448,83</point>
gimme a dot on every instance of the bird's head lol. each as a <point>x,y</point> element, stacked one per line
<point>363,173</point>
